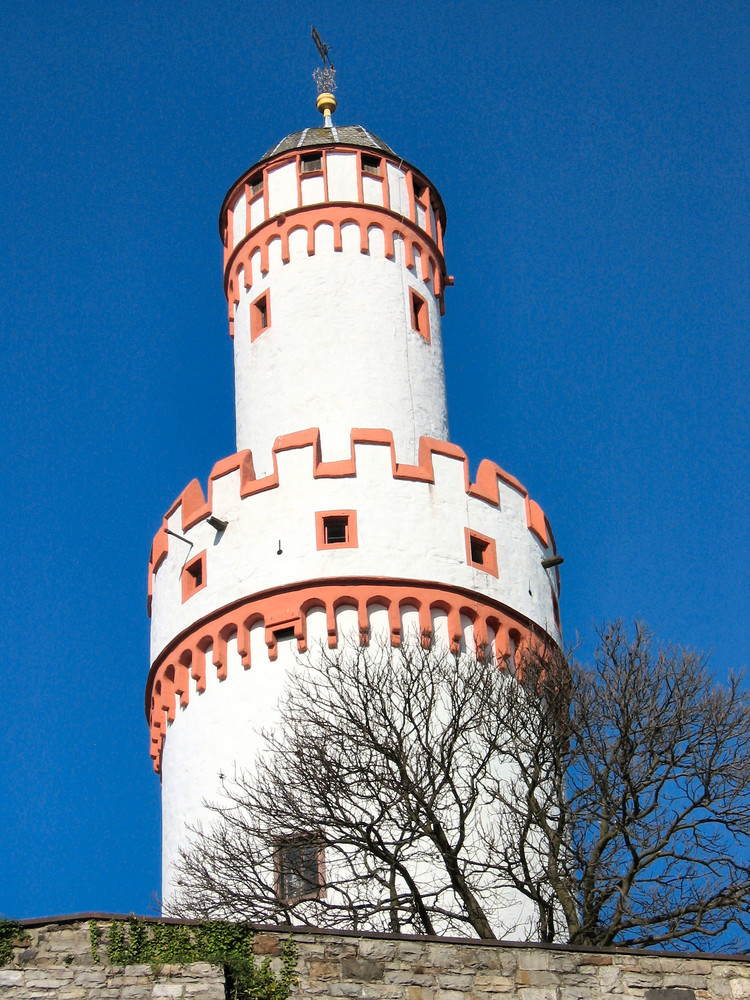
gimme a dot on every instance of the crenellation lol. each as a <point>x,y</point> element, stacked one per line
<point>236,478</point>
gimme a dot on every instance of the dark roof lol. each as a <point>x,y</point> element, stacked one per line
<point>345,135</point>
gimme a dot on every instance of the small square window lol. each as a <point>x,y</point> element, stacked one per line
<point>336,529</point>
<point>420,316</point>
<point>299,867</point>
<point>371,165</point>
<point>256,185</point>
<point>312,164</point>
<point>260,315</point>
<point>193,576</point>
<point>481,552</point>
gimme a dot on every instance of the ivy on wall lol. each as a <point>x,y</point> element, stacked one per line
<point>230,945</point>
<point>10,932</point>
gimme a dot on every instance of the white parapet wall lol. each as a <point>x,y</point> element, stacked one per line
<point>405,522</point>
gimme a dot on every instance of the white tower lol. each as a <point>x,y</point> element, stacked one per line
<point>345,506</point>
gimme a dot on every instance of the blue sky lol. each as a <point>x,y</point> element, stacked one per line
<point>592,157</point>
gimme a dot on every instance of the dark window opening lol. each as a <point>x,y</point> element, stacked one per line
<point>256,185</point>
<point>312,164</point>
<point>419,189</point>
<point>371,165</point>
<point>260,316</point>
<point>298,868</point>
<point>196,572</point>
<point>556,609</point>
<point>478,550</point>
<point>193,576</point>
<point>417,306</point>
<point>420,317</point>
<point>284,633</point>
<point>335,530</point>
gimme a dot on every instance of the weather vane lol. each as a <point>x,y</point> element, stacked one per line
<point>325,78</point>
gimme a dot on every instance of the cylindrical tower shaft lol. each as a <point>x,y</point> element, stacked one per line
<point>334,275</point>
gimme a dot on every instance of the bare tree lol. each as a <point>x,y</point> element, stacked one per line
<point>604,804</point>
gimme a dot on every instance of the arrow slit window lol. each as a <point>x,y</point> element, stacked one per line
<point>420,315</point>
<point>260,315</point>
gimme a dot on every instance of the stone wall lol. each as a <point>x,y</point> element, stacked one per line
<point>55,961</point>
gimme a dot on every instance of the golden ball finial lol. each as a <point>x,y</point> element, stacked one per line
<point>326,104</point>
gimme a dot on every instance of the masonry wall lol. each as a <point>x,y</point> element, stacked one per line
<point>55,961</point>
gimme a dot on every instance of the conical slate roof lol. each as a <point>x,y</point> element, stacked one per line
<point>346,135</point>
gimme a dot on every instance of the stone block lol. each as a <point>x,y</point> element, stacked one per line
<point>669,993</point>
<point>411,951</point>
<point>535,960</point>
<point>536,977</point>
<point>322,970</point>
<point>141,991</point>
<point>168,991</point>
<point>493,982</point>
<point>89,977</point>
<point>684,980</point>
<point>266,944</point>
<point>539,993</point>
<point>52,980</point>
<point>382,951</point>
<point>585,960</point>
<point>362,969</point>
<point>404,976</point>
<point>418,993</point>
<point>455,981</point>
<point>11,977</point>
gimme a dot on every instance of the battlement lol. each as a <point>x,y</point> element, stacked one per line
<point>194,506</point>
<point>398,522</point>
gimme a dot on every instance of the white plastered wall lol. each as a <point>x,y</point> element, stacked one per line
<point>340,351</point>
<point>220,733</point>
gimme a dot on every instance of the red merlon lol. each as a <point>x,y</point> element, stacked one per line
<point>195,507</point>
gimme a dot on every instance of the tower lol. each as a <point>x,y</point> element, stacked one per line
<point>345,508</point>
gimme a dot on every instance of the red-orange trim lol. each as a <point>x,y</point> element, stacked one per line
<point>193,576</point>
<point>420,315</point>
<point>195,507</point>
<point>185,657</point>
<point>260,314</point>
<point>351,541</point>
<point>489,551</point>
<point>309,217</point>
<point>292,155</point>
